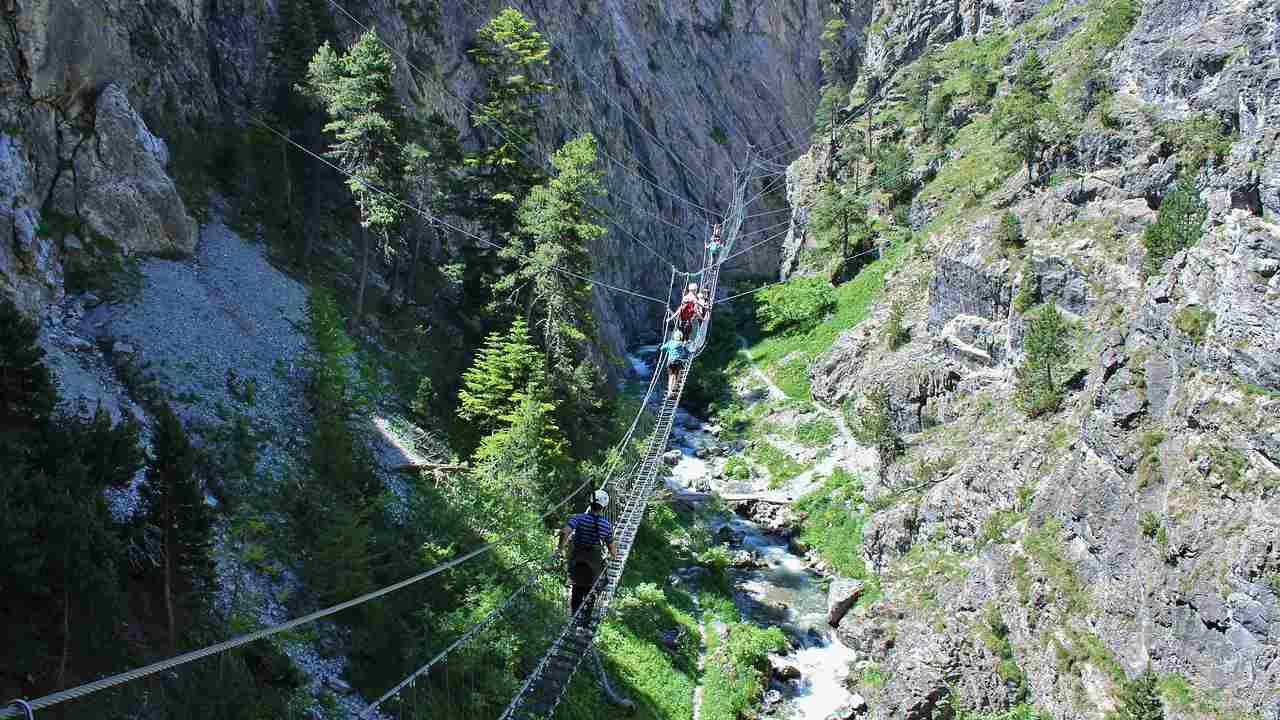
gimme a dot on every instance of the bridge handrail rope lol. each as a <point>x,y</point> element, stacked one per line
<point>540,692</point>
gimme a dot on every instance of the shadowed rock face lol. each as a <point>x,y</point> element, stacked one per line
<point>675,93</point>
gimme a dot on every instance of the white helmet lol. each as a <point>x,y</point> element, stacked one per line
<point>600,498</point>
<point>693,286</point>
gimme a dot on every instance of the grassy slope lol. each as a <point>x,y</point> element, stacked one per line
<point>786,356</point>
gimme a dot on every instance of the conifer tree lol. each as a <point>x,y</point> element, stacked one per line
<point>510,52</point>
<point>517,467</point>
<point>1177,226</point>
<point>839,218</point>
<point>507,370</point>
<point>1039,381</point>
<point>27,395</point>
<point>1027,115</point>
<point>556,226</point>
<point>919,85</point>
<point>365,119</point>
<point>117,453</point>
<point>177,516</point>
<point>430,175</point>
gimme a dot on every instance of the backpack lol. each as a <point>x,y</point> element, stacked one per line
<point>686,311</point>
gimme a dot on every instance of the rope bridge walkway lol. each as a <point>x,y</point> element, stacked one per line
<point>545,683</point>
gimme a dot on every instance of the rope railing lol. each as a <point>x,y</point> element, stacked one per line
<point>542,690</point>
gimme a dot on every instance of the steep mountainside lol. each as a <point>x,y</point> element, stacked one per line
<point>1049,559</point>
<point>106,102</point>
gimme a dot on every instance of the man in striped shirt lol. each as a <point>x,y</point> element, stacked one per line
<point>589,531</point>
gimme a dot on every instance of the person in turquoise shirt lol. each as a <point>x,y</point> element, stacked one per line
<point>677,354</point>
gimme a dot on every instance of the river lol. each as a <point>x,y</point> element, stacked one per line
<point>783,592</point>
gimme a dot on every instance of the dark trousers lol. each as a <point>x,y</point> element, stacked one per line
<point>584,567</point>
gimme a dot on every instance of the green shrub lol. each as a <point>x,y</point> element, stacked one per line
<point>1149,524</point>
<point>1177,225</point>
<point>1028,290</point>
<point>1194,321</point>
<point>1149,457</point>
<point>895,334</point>
<point>1039,378</point>
<point>736,671</point>
<point>874,427</point>
<point>1201,139</point>
<point>833,523</point>
<point>1009,232</point>
<point>797,304</point>
<point>1139,699</point>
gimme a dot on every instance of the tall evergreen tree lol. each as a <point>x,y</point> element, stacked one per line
<point>557,223</point>
<point>1027,115</point>
<point>507,370</point>
<point>839,219</point>
<point>366,120</point>
<point>177,516</point>
<point>510,52</point>
<point>27,394</point>
<point>430,176</point>
<point>1047,347</point>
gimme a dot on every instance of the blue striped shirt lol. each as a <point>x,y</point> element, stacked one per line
<point>590,529</point>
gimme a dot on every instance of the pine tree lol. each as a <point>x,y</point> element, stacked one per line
<point>27,394</point>
<point>116,454</point>
<point>505,370</point>
<point>1039,384</point>
<point>1032,77</point>
<point>919,85</point>
<point>1139,699</point>
<point>556,224</point>
<point>1177,226</point>
<point>517,467</point>
<point>366,120</point>
<point>510,53</point>
<point>177,515</point>
<point>431,177</point>
<point>838,219</point>
<point>1027,115</point>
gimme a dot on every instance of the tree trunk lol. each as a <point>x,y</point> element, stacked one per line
<point>66,633</point>
<point>411,283</point>
<point>364,273</point>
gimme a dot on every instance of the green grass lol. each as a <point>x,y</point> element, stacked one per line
<point>786,356</point>
<point>736,670</point>
<point>984,164</point>
<point>834,524</point>
<point>1044,545</point>
<point>817,432</point>
<point>781,468</point>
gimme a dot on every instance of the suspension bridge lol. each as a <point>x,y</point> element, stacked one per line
<point>536,692</point>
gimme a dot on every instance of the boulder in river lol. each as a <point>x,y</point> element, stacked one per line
<point>671,457</point>
<point>844,592</point>
<point>783,669</point>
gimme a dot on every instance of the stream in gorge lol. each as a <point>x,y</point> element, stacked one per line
<point>782,590</point>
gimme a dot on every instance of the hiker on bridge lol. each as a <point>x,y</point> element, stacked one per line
<point>687,310</point>
<point>588,530</point>
<point>677,354</point>
<point>714,244</point>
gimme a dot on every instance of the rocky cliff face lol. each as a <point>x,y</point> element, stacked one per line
<point>675,92</point>
<point>1047,560</point>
